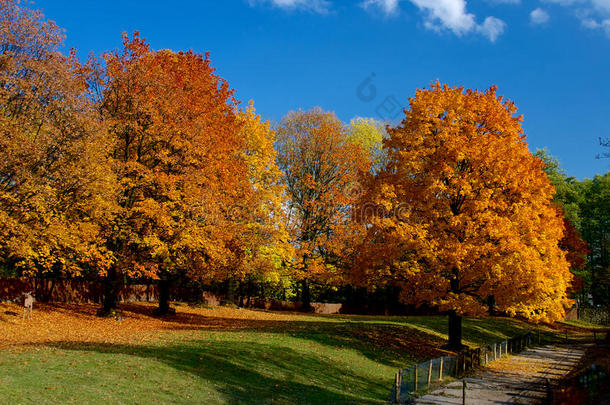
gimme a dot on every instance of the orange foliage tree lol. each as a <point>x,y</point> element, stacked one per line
<point>55,183</point>
<point>576,250</point>
<point>462,212</point>
<point>321,168</point>
<point>178,155</point>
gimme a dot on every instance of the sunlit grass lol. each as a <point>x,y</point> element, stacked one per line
<point>225,356</point>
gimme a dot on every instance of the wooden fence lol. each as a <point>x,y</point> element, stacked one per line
<point>423,375</point>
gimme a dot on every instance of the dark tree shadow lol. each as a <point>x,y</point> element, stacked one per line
<point>387,340</point>
<point>244,373</point>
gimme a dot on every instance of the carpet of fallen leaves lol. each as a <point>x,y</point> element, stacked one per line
<point>513,364</point>
<point>78,323</point>
<point>56,323</point>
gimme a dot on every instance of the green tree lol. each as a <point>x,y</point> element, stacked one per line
<point>568,190</point>
<point>595,228</point>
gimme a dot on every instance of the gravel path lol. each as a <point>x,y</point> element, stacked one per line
<point>515,379</point>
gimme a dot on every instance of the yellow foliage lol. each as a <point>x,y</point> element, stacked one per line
<point>462,211</point>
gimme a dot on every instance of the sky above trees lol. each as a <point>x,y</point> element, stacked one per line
<point>365,58</point>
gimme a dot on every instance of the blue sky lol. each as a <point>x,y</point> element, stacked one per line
<point>551,57</point>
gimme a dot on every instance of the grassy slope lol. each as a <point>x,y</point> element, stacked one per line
<point>307,359</point>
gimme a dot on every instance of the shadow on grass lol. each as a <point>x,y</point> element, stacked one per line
<point>257,373</point>
<point>393,341</point>
<point>388,343</point>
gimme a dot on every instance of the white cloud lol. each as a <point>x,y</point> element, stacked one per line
<point>593,14</point>
<point>539,16</point>
<point>446,14</point>
<point>387,6</point>
<point>316,6</point>
<point>492,28</point>
<point>439,15</point>
<point>451,15</point>
<point>602,6</point>
<point>597,25</point>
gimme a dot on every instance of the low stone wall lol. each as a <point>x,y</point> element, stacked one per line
<point>327,308</point>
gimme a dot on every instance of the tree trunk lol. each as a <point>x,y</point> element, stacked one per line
<point>112,283</point>
<point>231,286</point>
<point>305,296</point>
<point>491,304</point>
<point>164,308</point>
<point>455,331</point>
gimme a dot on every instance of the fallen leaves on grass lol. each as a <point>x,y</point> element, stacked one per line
<point>79,323</point>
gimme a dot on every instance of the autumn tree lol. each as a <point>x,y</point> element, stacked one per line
<point>179,159</point>
<point>56,187</point>
<point>261,217</point>
<point>462,212</point>
<point>321,170</point>
<point>576,251</point>
<point>369,133</point>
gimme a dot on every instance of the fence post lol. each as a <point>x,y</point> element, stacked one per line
<point>463,363</point>
<point>457,362</point>
<point>464,392</point>
<point>429,373</point>
<point>415,368</point>
<point>486,357</point>
<point>440,373</point>
<point>397,385</point>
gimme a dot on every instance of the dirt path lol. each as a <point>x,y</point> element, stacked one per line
<point>515,379</point>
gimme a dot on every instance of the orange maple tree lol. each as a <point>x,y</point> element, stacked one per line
<point>56,187</point>
<point>321,166</point>
<point>462,212</point>
<point>178,156</point>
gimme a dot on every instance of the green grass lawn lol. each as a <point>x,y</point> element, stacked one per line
<point>308,360</point>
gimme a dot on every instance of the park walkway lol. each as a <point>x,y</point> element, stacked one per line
<point>515,379</point>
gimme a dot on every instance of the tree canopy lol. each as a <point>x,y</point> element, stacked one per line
<point>55,181</point>
<point>462,211</point>
<point>144,165</point>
